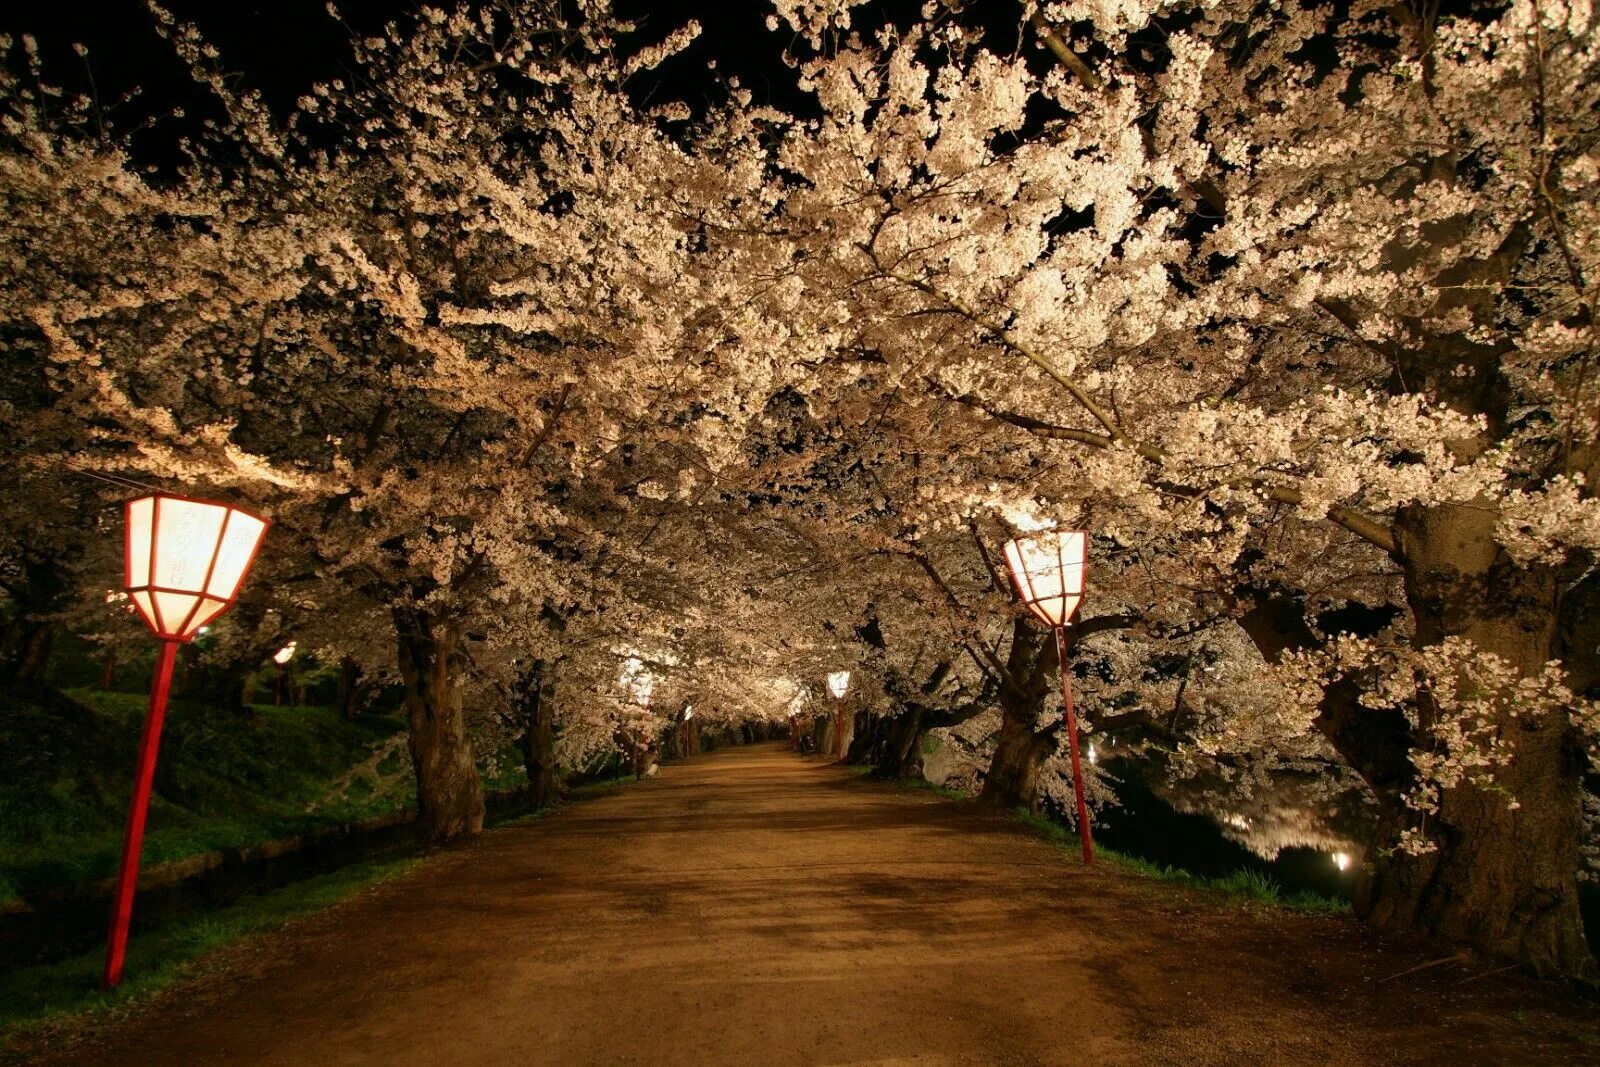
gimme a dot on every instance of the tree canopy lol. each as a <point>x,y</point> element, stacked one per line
<point>547,383</point>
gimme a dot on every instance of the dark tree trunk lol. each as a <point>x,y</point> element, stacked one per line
<point>449,791</point>
<point>1019,756</point>
<point>1013,777</point>
<point>899,752</point>
<point>31,644</point>
<point>222,679</point>
<point>1502,880</point>
<point>537,713</point>
<point>351,691</point>
<point>868,735</point>
<point>29,635</point>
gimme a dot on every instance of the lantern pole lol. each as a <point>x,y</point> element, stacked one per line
<point>1072,745</point>
<point>133,834</point>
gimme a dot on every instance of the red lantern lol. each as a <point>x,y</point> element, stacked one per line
<point>186,559</point>
<point>185,562</point>
<point>838,685</point>
<point>1048,571</point>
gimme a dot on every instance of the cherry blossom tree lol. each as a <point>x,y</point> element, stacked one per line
<point>1264,269</point>
<point>1290,306</point>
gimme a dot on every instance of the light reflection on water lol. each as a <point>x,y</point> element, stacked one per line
<point>1302,830</point>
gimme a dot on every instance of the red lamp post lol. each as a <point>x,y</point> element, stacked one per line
<point>1048,571</point>
<point>185,561</point>
<point>688,713</point>
<point>839,685</point>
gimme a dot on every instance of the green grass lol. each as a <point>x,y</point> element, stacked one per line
<point>225,779</point>
<point>66,993</point>
<point>1243,885</point>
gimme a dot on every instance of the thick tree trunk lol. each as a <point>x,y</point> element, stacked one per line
<point>29,645</point>
<point>449,791</point>
<point>1019,756</point>
<point>1013,777</point>
<point>538,720</point>
<point>351,690</point>
<point>899,749</point>
<point>29,635</point>
<point>1501,880</point>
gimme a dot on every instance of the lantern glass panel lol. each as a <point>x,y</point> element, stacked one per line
<point>173,610</point>
<point>141,520</point>
<point>839,684</point>
<point>234,554</point>
<point>187,532</point>
<point>141,600</point>
<point>209,609</point>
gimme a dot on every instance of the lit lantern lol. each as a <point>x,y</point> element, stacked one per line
<point>1047,568</point>
<point>185,562</point>
<point>839,685</point>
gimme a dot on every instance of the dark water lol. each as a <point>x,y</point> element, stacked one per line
<point>1149,827</point>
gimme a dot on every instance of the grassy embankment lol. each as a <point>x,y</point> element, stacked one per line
<point>225,779</point>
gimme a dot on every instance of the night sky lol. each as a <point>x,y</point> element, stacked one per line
<point>283,47</point>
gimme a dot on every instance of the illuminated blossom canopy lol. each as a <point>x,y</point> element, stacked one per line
<point>548,386</point>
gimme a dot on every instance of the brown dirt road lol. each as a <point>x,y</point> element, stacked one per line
<point>754,907</point>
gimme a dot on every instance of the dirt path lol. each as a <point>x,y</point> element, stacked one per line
<point>753,907</point>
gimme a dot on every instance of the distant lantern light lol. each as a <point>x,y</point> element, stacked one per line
<point>1048,571</point>
<point>688,713</point>
<point>283,655</point>
<point>839,684</point>
<point>186,560</point>
<point>1341,860</point>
